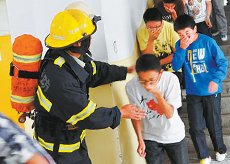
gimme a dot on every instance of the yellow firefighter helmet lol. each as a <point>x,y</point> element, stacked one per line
<point>69,27</point>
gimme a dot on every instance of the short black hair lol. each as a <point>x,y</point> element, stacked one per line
<point>148,62</point>
<point>152,14</point>
<point>184,21</point>
<point>169,1</point>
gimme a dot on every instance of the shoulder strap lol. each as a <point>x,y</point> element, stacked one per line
<point>60,61</point>
<point>16,72</point>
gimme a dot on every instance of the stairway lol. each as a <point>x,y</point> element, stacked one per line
<point>225,107</point>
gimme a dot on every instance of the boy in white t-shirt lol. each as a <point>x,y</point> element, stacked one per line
<point>158,93</point>
<point>200,10</point>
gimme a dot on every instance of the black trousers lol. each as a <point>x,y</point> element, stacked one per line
<point>177,152</point>
<point>204,111</point>
<point>203,29</point>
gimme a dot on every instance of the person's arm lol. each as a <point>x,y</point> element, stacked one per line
<point>168,59</point>
<point>222,67</point>
<point>180,7</point>
<point>110,117</point>
<point>141,146</point>
<point>174,37</point>
<point>153,35</point>
<point>165,107</point>
<point>136,123</point>
<point>105,73</point>
<point>170,100</point>
<point>131,69</point>
<point>149,48</point>
<point>209,10</point>
<point>184,1</point>
<point>178,57</point>
<point>131,111</point>
<point>212,87</point>
<point>37,159</point>
<point>174,15</point>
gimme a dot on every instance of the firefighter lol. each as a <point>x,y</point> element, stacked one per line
<point>64,110</point>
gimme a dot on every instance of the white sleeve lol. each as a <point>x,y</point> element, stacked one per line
<point>131,96</point>
<point>128,92</point>
<point>173,92</point>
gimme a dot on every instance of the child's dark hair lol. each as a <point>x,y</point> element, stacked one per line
<point>148,62</point>
<point>184,21</point>
<point>169,1</point>
<point>152,14</point>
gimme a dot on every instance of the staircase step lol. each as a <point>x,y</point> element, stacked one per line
<point>225,107</point>
<point>227,79</point>
<point>228,57</point>
<point>227,14</point>
<point>225,48</point>
<point>226,87</point>
<point>227,8</point>
<point>220,42</point>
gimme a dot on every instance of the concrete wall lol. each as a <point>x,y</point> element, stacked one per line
<point>116,31</point>
<point>119,145</point>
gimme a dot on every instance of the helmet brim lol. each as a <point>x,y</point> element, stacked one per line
<point>52,43</point>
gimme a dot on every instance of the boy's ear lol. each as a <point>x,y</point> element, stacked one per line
<point>162,70</point>
<point>195,28</point>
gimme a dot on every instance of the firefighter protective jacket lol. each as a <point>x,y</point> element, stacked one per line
<point>62,102</point>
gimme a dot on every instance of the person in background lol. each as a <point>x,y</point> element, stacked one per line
<point>170,9</point>
<point>64,109</point>
<point>200,10</point>
<point>205,68</point>
<point>17,147</point>
<point>158,92</point>
<point>219,21</point>
<point>158,37</point>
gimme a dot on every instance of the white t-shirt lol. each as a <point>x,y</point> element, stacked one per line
<point>196,9</point>
<point>155,126</point>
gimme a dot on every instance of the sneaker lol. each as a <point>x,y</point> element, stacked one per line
<point>215,33</point>
<point>224,38</point>
<point>220,157</point>
<point>206,160</point>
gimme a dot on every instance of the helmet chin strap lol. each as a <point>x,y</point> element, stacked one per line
<point>89,53</point>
